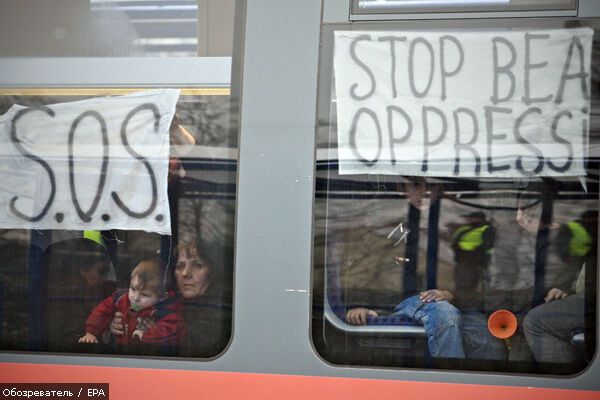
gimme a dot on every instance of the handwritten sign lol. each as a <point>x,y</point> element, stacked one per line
<point>93,164</point>
<point>470,104</point>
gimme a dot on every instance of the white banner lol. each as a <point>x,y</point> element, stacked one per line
<point>463,104</point>
<point>97,164</point>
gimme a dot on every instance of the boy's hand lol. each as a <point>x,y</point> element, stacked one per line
<point>88,338</point>
<point>358,316</point>
<point>116,326</point>
<point>435,295</point>
<point>555,294</point>
<point>137,334</point>
<point>144,323</point>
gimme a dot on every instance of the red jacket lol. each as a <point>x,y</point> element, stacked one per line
<point>166,314</point>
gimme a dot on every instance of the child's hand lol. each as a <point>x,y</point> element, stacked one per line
<point>435,295</point>
<point>137,334</point>
<point>88,338</point>
<point>144,323</point>
<point>358,316</point>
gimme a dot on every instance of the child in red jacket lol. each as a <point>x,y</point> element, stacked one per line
<point>147,299</point>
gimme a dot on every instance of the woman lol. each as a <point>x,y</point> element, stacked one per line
<point>207,309</point>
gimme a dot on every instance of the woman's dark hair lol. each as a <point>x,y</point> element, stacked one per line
<point>218,258</point>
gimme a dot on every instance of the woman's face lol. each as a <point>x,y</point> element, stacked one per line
<point>192,275</point>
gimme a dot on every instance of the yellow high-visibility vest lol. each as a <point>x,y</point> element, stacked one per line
<point>581,241</point>
<point>96,236</point>
<point>472,239</point>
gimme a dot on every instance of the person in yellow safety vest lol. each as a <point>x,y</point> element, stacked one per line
<point>472,243</point>
<point>576,242</point>
<point>583,232</point>
<point>549,327</point>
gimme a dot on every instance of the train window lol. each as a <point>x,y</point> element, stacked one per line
<point>115,28</point>
<point>421,6</point>
<point>456,205</point>
<point>118,201</point>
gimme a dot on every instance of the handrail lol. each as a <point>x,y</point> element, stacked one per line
<point>395,330</point>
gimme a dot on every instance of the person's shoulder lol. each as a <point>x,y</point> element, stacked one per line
<point>172,304</point>
<point>119,295</point>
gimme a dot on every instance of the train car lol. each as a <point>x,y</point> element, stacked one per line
<point>274,199</point>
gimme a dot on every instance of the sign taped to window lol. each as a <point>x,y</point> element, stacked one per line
<point>463,104</point>
<point>98,164</point>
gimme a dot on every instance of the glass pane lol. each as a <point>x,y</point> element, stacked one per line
<point>54,279</point>
<point>116,28</point>
<point>118,177</point>
<point>420,6</point>
<point>445,235</point>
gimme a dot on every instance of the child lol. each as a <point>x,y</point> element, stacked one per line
<point>146,300</point>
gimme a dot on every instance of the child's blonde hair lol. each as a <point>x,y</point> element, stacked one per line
<point>151,276</point>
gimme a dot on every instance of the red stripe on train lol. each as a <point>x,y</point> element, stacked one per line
<point>145,384</point>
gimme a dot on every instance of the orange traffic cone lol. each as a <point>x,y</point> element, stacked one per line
<point>502,324</point>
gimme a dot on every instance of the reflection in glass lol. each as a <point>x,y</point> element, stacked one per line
<point>408,269</point>
<point>114,28</point>
<point>53,280</point>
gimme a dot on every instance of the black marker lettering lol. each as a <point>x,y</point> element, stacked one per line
<point>115,196</point>
<point>411,67</point>
<point>444,72</point>
<point>522,140</point>
<point>503,70</point>
<point>559,139</point>
<point>17,143</point>
<point>458,145</point>
<point>353,130</point>
<point>392,40</point>
<point>491,136</point>
<point>584,136</point>
<point>85,216</point>
<point>426,142</point>
<point>364,67</point>
<point>527,99</point>
<point>581,75</point>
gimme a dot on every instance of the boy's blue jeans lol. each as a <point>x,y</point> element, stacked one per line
<point>442,322</point>
<point>445,328</point>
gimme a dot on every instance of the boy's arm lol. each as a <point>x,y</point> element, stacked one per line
<point>358,316</point>
<point>101,316</point>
